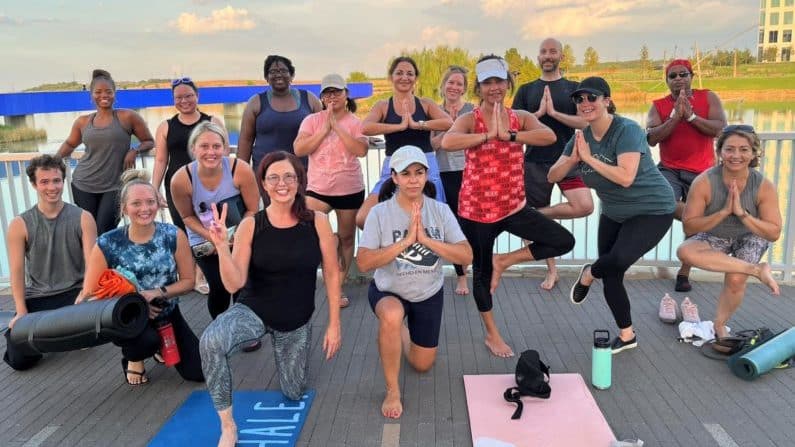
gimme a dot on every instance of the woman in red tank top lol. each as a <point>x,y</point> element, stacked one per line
<point>492,198</point>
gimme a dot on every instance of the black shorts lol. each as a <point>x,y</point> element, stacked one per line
<point>537,188</point>
<point>424,317</point>
<point>680,181</point>
<point>347,202</point>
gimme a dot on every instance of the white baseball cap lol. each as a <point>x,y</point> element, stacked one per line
<point>407,156</point>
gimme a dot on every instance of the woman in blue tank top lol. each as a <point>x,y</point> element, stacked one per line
<point>271,119</point>
<point>106,134</point>
<point>732,211</point>
<point>158,256</point>
<point>404,120</point>
<point>274,266</point>
<point>212,178</point>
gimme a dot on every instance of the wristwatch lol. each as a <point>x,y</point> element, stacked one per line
<point>163,292</point>
<point>692,117</point>
<point>422,124</point>
<point>512,135</point>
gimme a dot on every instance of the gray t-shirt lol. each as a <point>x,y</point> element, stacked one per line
<point>456,160</point>
<point>416,274</point>
<point>649,194</point>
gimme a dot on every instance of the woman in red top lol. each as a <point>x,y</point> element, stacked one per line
<point>492,198</point>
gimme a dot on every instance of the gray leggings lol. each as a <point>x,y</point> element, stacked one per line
<point>238,326</point>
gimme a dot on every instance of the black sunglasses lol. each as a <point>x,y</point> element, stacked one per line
<point>739,127</point>
<point>579,98</point>
<point>179,81</point>
<point>681,74</point>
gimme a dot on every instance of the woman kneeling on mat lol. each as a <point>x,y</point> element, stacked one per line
<point>733,214</point>
<point>404,239</point>
<point>158,255</point>
<point>274,265</point>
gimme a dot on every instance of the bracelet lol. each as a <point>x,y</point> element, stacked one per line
<point>745,214</point>
<point>692,117</point>
<point>673,113</point>
<point>163,292</point>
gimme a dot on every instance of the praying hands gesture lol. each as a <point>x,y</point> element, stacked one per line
<point>582,150</point>
<point>733,204</point>
<point>682,107</point>
<point>496,130</point>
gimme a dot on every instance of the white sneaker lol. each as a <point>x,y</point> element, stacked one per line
<point>667,309</point>
<point>690,311</point>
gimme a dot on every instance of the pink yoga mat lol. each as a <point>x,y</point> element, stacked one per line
<point>570,417</point>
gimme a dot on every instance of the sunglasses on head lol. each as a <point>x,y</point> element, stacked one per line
<point>580,98</point>
<point>739,127</point>
<point>179,81</point>
<point>681,74</point>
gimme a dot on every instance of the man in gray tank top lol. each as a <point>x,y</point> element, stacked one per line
<point>47,248</point>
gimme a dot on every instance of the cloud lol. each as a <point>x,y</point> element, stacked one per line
<point>437,35</point>
<point>220,20</point>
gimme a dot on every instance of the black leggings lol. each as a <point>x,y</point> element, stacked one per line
<point>218,299</point>
<point>451,181</point>
<point>528,224</point>
<point>176,219</point>
<point>104,206</point>
<point>148,343</point>
<point>620,245</point>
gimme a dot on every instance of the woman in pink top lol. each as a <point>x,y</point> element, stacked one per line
<point>333,141</point>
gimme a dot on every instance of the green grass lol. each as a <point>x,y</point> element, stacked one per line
<point>10,134</point>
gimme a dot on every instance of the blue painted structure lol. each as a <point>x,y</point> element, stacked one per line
<point>28,103</point>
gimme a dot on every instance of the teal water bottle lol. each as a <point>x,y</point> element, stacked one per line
<point>601,360</point>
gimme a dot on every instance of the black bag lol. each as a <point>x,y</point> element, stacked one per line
<point>532,379</point>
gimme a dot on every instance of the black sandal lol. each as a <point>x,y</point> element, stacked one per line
<point>142,374</point>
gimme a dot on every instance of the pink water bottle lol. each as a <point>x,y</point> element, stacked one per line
<point>205,215</point>
<point>168,344</point>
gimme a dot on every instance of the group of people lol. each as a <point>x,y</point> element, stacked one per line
<point>456,175</point>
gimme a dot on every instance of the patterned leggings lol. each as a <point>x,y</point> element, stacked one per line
<point>239,326</point>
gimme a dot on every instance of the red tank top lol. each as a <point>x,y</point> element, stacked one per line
<point>493,183</point>
<point>686,148</point>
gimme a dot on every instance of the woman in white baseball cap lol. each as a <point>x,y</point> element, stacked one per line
<point>405,239</point>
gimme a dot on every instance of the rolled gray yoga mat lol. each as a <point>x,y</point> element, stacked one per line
<point>81,326</point>
<point>751,364</point>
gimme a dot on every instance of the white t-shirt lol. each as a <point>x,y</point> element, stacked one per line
<point>416,274</point>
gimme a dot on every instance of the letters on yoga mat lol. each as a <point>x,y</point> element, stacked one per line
<point>570,417</point>
<point>262,418</point>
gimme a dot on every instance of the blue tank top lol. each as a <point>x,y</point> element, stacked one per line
<point>276,131</point>
<point>414,137</point>
<point>226,190</point>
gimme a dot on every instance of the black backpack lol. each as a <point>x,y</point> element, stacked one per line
<point>532,379</point>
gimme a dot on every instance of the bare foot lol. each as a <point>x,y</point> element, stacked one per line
<point>392,407</point>
<point>766,276</point>
<point>496,274</point>
<point>461,286</point>
<point>136,374</point>
<point>498,347</point>
<point>228,436</point>
<point>550,279</point>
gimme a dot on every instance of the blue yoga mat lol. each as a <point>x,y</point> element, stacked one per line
<point>763,358</point>
<point>262,418</point>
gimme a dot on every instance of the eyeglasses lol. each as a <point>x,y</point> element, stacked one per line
<point>179,81</point>
<point>288,179</point>
<point>580,98</point>
<point>331,92</point>
<point>278,71</point>
<point>187,97</point>
<point>681,74</point>
<point>739,127</point>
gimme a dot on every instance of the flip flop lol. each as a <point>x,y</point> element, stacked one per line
<point>142,374</point>
<point>202,288</point>
<point>158,358</point>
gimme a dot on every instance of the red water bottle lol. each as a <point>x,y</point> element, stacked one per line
<point>168,344</point>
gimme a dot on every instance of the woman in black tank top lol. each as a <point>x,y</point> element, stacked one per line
<point>274,261</point>
<point>171,151</point>
<point>404,119</point>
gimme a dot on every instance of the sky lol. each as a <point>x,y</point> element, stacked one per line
<point>63,40</point>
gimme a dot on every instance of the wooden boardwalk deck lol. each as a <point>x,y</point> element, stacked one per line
<point>664,392</point>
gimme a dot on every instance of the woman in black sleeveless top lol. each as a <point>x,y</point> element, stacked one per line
<point>274,265</point>
<point>404,120</point>
<point>171,151</point>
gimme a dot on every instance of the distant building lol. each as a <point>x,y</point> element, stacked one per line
<point>775,30</point>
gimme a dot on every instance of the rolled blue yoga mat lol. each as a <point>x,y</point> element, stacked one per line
<point>763,358</point>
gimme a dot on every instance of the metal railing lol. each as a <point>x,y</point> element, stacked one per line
<point>17,195</point>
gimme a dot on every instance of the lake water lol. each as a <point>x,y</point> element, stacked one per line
<point>765,117</point>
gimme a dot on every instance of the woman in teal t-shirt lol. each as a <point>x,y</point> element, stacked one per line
<point>637,202</point>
